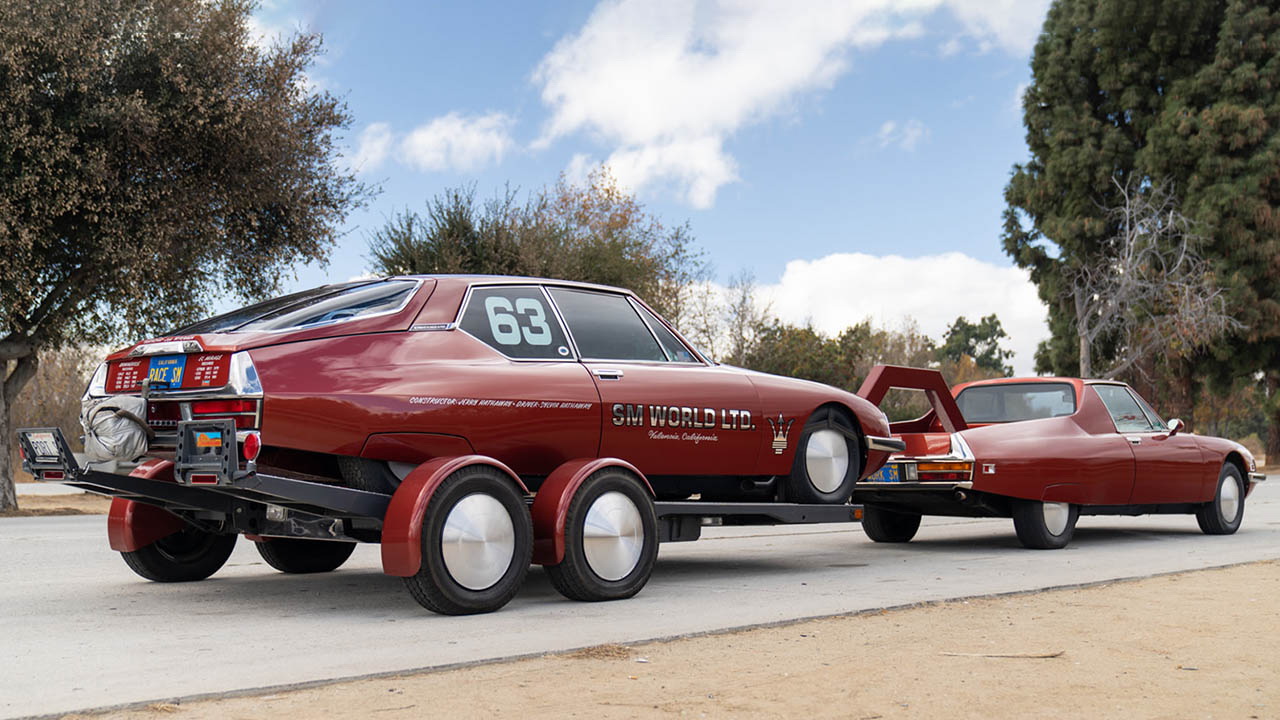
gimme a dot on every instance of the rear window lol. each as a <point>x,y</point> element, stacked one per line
<point>310,308</point>
<point>348,304</point>
<point>1016,401</point>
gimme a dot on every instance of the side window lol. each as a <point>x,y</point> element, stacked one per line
<point>1125,411</point>
<point>1156,422</point>
<point>605,327</point>
<point>676,351</point>
<point>515,321</point>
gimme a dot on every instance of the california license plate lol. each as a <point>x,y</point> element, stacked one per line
<point>43,444</point>
<point>888,473</point>
<point>166,370</point>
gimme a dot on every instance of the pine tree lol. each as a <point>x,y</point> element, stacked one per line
<point>1217,139</point>
<point>1101,72</point>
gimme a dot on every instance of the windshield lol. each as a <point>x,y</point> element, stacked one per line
<point>1016,401</point>
<point>318,306</point>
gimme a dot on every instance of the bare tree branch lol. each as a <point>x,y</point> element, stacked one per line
<point>1148,289</point>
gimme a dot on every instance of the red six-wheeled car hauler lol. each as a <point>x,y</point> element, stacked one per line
<point>471,425</point>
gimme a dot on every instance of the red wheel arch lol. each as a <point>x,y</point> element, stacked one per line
<point>551,504</point>
<point>402,525</point>
<point>131,525</point>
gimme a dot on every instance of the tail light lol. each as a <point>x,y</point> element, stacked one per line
<point>944,470</point>
<point>243,412</point>
<point>252,446</point>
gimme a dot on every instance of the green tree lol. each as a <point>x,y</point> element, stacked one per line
<point>980,341</point>
<point>1219,139</point>
<point>152,158</point>
<point>1101,73</point>
<point>593,233</point>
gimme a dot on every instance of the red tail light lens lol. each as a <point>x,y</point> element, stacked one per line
<point>252,446</point>
<point>218,407</point>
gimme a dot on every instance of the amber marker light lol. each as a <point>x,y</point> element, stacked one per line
<point>944,470</point>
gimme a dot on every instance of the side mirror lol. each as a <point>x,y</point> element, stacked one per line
<point>1176,426</point>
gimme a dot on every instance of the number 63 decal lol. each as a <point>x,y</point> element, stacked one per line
<point>506,327</point>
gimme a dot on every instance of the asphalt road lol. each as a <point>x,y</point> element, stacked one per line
<point>78,630</point>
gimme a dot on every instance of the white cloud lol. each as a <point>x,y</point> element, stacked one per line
<point>664,83</point>
<point>840,290</point>
<point>907,136</point>
<point>373,146</point>
<point>1018,92</point>
<point>458,143</point>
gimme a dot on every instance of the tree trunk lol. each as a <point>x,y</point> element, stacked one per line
<point>1273,424</point>
<point>1086,360</point>
<point>11,383</point>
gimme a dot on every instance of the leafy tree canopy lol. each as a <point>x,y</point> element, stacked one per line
<point>592,233</point>
<point>980,341</point>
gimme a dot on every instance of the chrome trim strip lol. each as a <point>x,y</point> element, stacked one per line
<point>917,485</point>
<point>1257,477</point>
<point>884,444</point>
<point>432,327</point>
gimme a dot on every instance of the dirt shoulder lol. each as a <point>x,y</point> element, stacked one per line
<point>1195,644</point>
<point>77,504</point>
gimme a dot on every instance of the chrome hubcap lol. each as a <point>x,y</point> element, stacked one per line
<point>1055,517</point>
<point>1229,499</point>
<point>826,458</point>
<point>612,536</point>
<point>478,542</point>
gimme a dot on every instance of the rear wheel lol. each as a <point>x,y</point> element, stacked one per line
<point>1044,525</point>
<point>477,542</point>
<point>828,460</point>
<point>610,539</point>
<point>889,526</point>
<point>298,556</point>
<point>1223,514</point>
<point>187,555</point>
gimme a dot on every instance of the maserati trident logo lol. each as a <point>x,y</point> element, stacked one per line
<point>780,431</point>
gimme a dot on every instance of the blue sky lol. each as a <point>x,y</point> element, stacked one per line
<point>852,155</point>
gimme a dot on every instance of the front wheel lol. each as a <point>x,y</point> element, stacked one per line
<point>610,539</point>
<point>477,542</point>
<point>185,556</point>
<point>828,460</point>
<point>888,526</point>
<point>1223,514</point>
<point>1044,525</point>
<point>298,556</point>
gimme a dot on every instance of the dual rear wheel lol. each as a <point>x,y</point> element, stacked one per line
<point>477,542</point>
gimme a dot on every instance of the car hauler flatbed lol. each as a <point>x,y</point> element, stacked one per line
<point>177,520</point>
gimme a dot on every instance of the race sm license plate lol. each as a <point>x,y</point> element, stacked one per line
<point>888,473</point>
<point>166,370</point>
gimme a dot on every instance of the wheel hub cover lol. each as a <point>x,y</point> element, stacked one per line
<point>826,457</point>
<point>612,536</point>
<point>478,541</point>
<point>1229,499</point>
<point>1055,517</point>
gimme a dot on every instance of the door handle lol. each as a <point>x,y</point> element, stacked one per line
<point>608,373</point>
<point>1134,440</point>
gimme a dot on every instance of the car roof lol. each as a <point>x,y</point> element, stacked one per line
<point>472,279</point>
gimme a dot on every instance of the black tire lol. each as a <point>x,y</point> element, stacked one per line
<point>185,556</point>
<point>802,487</point>
<point>299,556</point>
<point>369,475</point>
<point>575,577</point>
<point>889,526</point>
<point>1212,516</point>
<point>434,587</point>
<point>1033,530</point>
